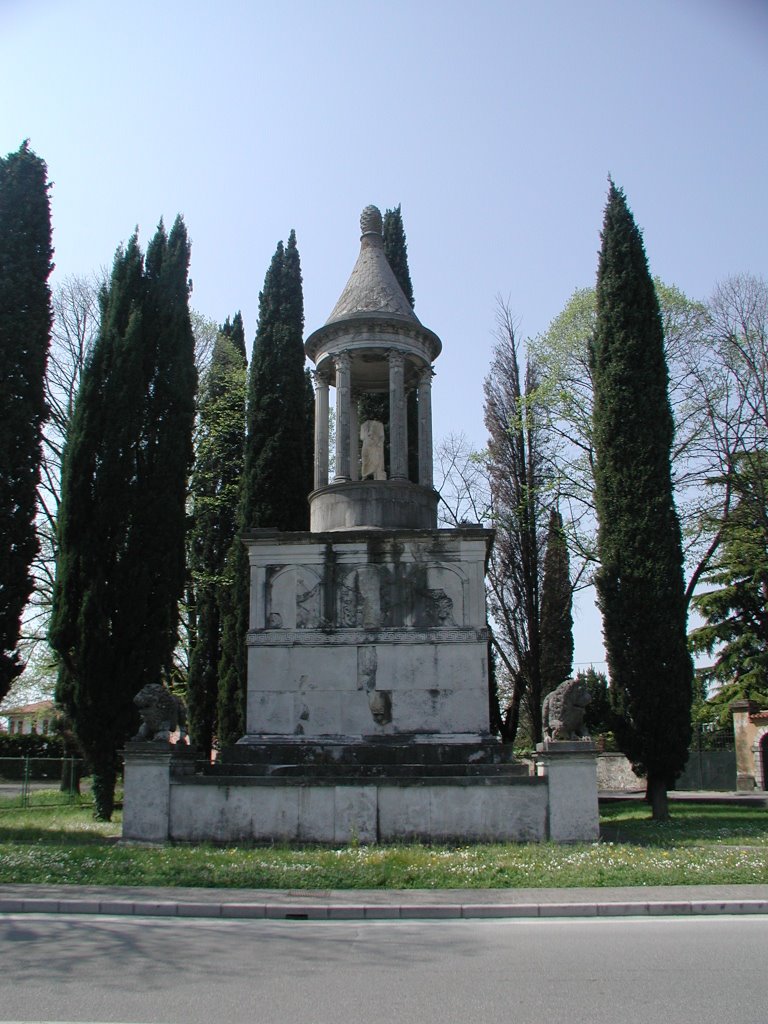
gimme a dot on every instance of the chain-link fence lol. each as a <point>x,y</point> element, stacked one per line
<point>28,782</point>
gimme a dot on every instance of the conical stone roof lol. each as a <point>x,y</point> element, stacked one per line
<point>372,286</point>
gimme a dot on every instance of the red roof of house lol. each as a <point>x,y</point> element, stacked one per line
<point>30,709</point>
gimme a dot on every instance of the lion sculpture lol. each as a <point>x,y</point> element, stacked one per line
<point>161,714</point>
<point>564,709</point>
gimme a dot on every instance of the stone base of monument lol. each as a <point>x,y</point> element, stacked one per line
<point>339,793</point>
<point>391,504</point>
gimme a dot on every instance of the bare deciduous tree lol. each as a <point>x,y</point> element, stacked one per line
<point>520,500</point>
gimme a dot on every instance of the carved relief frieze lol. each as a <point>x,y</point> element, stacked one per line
<point>363,598</point>
<point>307,600</point>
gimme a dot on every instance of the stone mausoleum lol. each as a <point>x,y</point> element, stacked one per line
<point>367,707</point>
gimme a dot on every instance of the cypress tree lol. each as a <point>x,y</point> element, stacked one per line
<point>25,325</point>
<point>640,587</point>
<point>215,495</point>
<point>556,602</point>
<point>396,250</point>
<point>120,567</point>
<point>276,475</point>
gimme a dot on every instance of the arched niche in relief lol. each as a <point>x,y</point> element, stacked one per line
<point>293,597</point>
<point>445,603</point>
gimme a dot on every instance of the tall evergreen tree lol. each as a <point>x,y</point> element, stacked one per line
<point>275,482</point>
<point>219,453</point>
<point>556,605</point>
<point>25,326</point>
<point>641,592</point>
<point>396,250</point>
<point>122,517</point>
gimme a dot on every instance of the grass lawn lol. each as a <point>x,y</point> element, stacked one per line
<point>702,844</point>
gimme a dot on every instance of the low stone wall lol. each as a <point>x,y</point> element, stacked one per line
<point>705,770</point>
<point>614,772</point>
<point>167,800</point>
<point>263,810</point>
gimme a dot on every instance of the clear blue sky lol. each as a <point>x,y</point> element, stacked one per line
<point>494,124</point>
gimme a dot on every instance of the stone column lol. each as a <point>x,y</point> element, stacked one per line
<point>321,429</point>
<point>354,441</point>
<point>343,412</point>
<point>425,427</point>
<point>398,419</point>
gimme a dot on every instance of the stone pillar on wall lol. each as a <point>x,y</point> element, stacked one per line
<point>147,792</point>
<point>744,734</point>
<point>570,768</point>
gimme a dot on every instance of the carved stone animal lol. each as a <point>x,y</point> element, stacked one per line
<point>161,714</point>
<point>564,709</point>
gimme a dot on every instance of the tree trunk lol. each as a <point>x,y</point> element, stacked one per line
<point>512,717</point>
<point>71,774</point>
<point>656,794</point>
<point>104,780</point>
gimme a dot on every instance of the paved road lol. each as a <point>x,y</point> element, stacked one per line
<point>671,970</point>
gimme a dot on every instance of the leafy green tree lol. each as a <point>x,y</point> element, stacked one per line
<point>599,718</point>
<point>562,353</point>
<point>556,608</point>
<point>276,476</point>
<point>735,605</point>
<point>215,489</point>
<point>122,517</point>
<point>717,357</point>
<point>640,587</point>
<point>25,325</point>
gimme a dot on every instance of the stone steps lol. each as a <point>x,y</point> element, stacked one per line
<point>381,752</point>
<point>366,771</point>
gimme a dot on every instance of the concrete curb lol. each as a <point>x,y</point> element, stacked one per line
<point>314,911</point>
